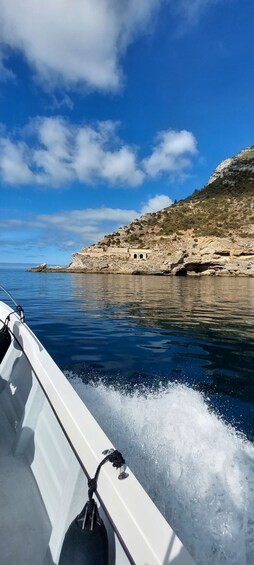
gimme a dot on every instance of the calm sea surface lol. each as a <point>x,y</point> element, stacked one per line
<point>166,365</point>
<point>134,330</point>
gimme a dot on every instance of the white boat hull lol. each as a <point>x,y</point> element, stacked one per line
<point>55,436</point>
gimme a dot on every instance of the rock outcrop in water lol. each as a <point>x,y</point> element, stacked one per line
<point>39,268</point>
<point>208,233</point>
<point>43,268</point>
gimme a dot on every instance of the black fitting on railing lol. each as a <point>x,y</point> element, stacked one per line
<point>19,308</point>
<point>117,460</point>
<point>21,312</point>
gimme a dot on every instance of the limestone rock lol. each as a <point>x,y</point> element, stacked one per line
<point>208,233</point>
<point>39,268</point>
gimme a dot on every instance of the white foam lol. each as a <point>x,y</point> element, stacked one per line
<point>198,470</point>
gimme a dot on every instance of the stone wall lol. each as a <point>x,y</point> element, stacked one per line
<point>182,256</point>
<point>125,252</point>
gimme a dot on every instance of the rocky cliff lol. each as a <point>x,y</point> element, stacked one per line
<point>208,233</point>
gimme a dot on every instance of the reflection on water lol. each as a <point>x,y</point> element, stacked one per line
<point>172,301</point>
<point>197,331</point>
<point>146,330</point>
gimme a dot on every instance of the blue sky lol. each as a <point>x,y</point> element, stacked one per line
<point>113,108</point>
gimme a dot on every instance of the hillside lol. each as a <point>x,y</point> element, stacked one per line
<point>210,232</point>
<point>223,208</point>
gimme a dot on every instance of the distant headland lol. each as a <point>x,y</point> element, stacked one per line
<point>209,233</point>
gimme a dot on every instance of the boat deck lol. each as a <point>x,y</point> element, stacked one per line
<point>47,438</point>
<point>24,525</point>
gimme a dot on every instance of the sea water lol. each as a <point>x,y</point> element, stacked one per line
<point>171,361</point>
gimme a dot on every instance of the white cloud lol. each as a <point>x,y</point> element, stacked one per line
<point>156,203</point>
<point>59,153</point>
<point>65,153</point>
<point>74,41</point>
<point>69,229</point>
<point>13,166</point>
<point>81,42</point>
<point>171,154</point>
<point>53,159</point>
<point>121,167</point>
<point>95,159</point>
<point>85,225</point>
<point>85,221</point>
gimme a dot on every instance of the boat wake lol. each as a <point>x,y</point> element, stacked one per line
<point>198,470</point>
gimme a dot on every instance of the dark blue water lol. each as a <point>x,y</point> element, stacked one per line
<point>166,367</point>
<point>148,330</point>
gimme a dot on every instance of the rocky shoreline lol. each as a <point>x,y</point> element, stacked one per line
<point>210,233</point>
<point>184,255</point>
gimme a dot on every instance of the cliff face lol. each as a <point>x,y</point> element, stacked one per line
<point>231,170</point>
<point>210,232</point>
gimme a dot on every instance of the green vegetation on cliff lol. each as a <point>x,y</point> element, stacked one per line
<point>223,208</point>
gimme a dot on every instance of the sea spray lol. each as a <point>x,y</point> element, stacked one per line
<point>198,470</point>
